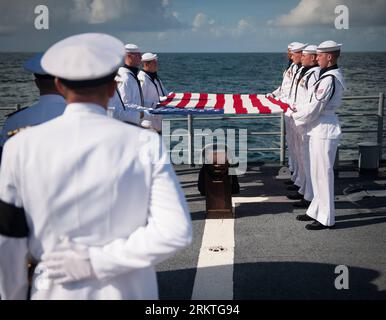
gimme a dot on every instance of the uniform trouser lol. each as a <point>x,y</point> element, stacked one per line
<point>322,158</point>
<point>299,133</point>
<point>308,192</point>
<point>288,136</point>
<point>294,149</point>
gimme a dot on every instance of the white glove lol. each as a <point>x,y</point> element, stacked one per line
<point>151,121</point>
<point>270,95</point>
<point>69,264</point>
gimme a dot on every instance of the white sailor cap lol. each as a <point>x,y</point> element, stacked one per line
<point>290,45</point>
<point>298,47</point>
<point>132,48</point>
<point>329,46</point>
<point>88,59</point>
<point>310,49</point>
<point>34,65</point>
<point>148,56</point>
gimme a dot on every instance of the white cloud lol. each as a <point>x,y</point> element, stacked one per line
<point>205,25</point>
<point>201,20</point>
<point>97,11</point>
<point>322,12</point>
<point>243,26</point>
<point>91,15</point>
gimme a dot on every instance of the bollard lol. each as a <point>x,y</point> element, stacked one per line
<point>368,157</point>
<point>216,184</point>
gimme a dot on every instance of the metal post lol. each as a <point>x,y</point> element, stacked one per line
<point>282,139</point>
<point>190,140</point>
<point>380,124</point>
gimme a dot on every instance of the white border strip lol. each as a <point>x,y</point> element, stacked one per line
<point>214,276</point>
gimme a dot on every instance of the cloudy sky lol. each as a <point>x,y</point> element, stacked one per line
<point>196,26</point>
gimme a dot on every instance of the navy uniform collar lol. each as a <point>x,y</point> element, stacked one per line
<point>133,70</point>
<point>83,107</point>
<point>152,75</point>
<point>324,70</point>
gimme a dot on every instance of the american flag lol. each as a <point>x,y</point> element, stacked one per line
<point>183,103</point>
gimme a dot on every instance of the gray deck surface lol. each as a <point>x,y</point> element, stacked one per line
<point>275,257</point>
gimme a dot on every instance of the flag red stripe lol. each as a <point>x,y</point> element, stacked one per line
<point>220,101</point>
<point>184,101</point>
<point>203,100</point>
<point>168,100</point>
<point>257,104</point>
<point>279,103</point>
<point>238,104</point>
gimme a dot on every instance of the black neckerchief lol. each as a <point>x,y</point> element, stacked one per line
<point>134,73</point>
<point>301,75</point>
<point>321,77</point>
<point>134,70</point>
<point>154,76</point>
<point>299,65</point>
<point>303,72</point>
<point>324,70</point>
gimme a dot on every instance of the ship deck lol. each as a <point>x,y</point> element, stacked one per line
<point>268,254</point>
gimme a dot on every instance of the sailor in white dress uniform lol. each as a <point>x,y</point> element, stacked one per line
<point>128,98</point>
<point>282,93</point>
<point>322,125</point>
<point>95,210</point>
<point>127,104</point>
<point>153,89</point>
<point>50,105</point>
<point>283,89</point>
<point>305,79</point>
<point>296,50</point>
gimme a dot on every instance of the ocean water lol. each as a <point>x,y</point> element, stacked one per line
<point>365,74</point>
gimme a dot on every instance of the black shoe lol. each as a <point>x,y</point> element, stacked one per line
<point>289,182</point>
<point>302,204</point>
<point>296,196</point>
<point>316,225</point>
<point>293,188</point>
<point>304,217</point>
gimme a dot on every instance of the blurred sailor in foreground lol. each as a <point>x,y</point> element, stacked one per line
<point>50,105</point>
<point>95,209</point>
<point>299,96</point>
<point>324,130</point>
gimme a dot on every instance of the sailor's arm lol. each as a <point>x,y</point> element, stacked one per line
<point>275,93</point>
<point>320,97</point>
<point>130,114</point>
<point>165,91</point>
<point>13,231</point>
<point>168,228</point>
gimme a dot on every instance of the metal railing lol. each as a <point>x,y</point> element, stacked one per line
<point>282,149</point>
